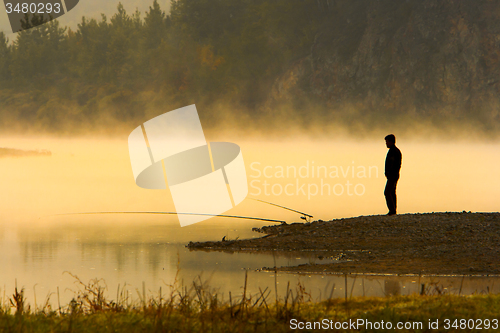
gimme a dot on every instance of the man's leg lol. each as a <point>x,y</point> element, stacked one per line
<point>390,195</point>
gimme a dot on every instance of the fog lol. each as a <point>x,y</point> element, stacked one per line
<point>326,177</point>
<point>93,174</point>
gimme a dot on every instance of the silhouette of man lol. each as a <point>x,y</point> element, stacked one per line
<point>392,166</point>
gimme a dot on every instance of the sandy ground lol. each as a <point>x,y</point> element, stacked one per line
<point>434,243</point>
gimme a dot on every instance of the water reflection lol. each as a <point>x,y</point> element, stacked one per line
<point>392,287</point>
<point>41,256</point>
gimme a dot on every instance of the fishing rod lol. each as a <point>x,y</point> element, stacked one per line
<point>174,213</point>
<point>305,216</point>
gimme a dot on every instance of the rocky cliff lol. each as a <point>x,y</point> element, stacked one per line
<point>437,58</point>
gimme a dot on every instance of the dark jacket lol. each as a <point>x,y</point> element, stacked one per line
<point>393,163</point>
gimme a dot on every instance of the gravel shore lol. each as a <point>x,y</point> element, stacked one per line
<point>433,243</point>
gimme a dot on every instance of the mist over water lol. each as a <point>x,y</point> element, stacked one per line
<point>307,90</point>
<point>93,174</point>
<point>327,178</point>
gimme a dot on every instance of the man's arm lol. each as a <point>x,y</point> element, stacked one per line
<point>393,163</point>
<point>398,161</point>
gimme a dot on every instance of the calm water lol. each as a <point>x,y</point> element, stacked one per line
<point>89,175</point>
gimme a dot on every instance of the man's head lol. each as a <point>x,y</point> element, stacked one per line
<point>390,140</point>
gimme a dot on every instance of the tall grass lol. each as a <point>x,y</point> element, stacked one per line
<point>199,308</point>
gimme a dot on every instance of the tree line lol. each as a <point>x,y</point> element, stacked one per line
<point>134,66</point>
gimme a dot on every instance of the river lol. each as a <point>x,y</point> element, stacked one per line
<point>326,178</point>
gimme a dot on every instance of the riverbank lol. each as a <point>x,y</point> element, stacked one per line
<point>423,244</point>
<point>197,309</point>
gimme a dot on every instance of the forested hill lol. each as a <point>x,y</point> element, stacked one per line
<point>309,61</point>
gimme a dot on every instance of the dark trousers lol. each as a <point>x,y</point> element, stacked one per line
<point>390,194</point>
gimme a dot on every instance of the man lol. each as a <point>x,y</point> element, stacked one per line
<point>392,166</point>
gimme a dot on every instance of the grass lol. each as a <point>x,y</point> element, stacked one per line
<point>199,308</point>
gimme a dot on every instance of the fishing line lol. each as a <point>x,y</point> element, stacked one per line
<point>304,217</point>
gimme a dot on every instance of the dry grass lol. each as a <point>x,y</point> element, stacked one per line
<point>199,308</point>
